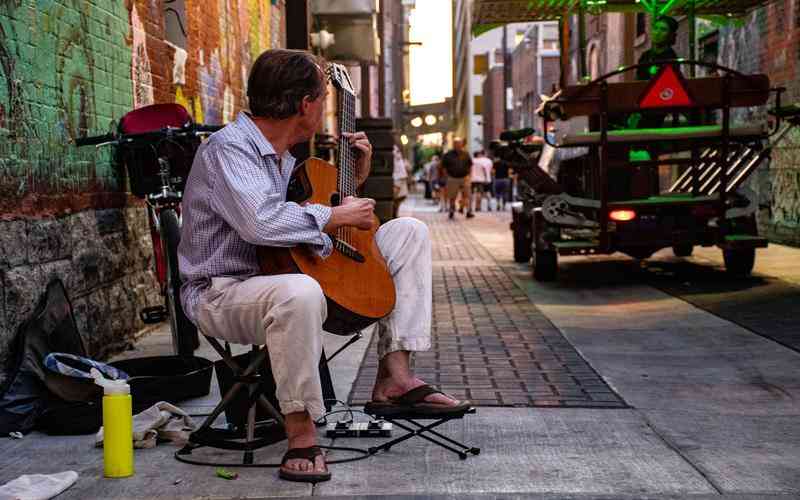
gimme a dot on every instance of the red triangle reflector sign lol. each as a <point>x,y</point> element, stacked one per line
<point>666,90</point>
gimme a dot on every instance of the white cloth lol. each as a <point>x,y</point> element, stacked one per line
<point>162,420</point>
<point>287,312</point>
<point>38,486</point>
<point>481,170</point>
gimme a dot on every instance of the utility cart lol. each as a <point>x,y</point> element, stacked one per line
<point>609,211</point>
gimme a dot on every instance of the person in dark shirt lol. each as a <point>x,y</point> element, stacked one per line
<point>502,183</point>
<point>458,164</point>
<point>663,35</point>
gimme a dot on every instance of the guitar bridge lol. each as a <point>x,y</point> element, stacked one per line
<point>348,250</point>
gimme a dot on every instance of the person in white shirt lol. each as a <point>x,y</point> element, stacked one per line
<point>400,177</point>
<point>481,176</point>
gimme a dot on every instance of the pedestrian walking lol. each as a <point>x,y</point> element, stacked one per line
<point>400,178</point>
<point>502,183</point>
<point>481,179</point>
<point>431,177</point>
<point>458,164</point>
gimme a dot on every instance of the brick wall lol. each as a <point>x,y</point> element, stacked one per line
<point>70,68</point>
<point>769,42</point>
<point>523,79</point>
<point>493,102</point>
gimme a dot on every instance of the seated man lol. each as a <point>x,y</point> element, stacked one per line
<point>235,200</point>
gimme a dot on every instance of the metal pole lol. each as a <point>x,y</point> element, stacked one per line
<point>582,41</point>
<point>564,48</point>
<point>692,41</point>
<point>506,79</point>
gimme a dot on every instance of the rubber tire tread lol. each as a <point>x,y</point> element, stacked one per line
<point>545,265</point>
<point>184,333</point>
<point>522,242</point>
<point>740,261</point>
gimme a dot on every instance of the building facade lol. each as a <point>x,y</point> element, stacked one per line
<point>73,68</point>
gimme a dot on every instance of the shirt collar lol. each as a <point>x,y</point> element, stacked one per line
<point>262,144</point>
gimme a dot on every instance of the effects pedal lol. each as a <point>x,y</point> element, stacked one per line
<point>374,428</point>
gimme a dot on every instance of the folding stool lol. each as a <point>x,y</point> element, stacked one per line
<point>247,434</point>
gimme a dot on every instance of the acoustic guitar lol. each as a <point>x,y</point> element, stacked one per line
<point>354,278</point>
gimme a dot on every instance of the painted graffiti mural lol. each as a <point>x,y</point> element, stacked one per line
<point>141,72</point>
<point>765,43</point>
<point>53,89</point>
<point>69,68</point>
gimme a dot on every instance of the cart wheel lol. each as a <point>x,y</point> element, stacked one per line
<point>740,261</point>
<point>683,250</point>
<point>184,333</point>
<point>545,265</point>
<point>522,239</point>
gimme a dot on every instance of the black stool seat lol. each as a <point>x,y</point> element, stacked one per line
<point>414,428</point>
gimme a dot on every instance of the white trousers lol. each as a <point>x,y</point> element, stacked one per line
<point>286,312</point>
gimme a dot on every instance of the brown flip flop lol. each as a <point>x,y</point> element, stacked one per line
<point>310,454</point>
<point>413,403</point>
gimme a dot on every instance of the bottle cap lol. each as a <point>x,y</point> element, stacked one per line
<point>110,386</point>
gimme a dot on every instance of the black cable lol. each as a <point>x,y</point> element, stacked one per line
<point>364,454</point>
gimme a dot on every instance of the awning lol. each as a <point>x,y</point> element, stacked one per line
<point>498,12</point>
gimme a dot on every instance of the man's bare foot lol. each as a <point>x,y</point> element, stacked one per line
<point>302,433</point>
<point>395,379</point>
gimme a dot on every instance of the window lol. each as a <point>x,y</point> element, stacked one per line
<point>641,24</point>
<point>549,44</point>
<point>175,22</point>
<point>480,64</point>
<point>477,105</point>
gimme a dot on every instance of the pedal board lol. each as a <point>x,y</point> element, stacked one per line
<point>375,428</point>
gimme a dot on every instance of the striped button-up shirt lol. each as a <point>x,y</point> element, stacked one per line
<point>235,200</point>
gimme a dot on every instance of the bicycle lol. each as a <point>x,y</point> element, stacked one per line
<point>157,144</point>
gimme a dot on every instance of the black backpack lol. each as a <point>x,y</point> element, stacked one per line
<point>456,166</point>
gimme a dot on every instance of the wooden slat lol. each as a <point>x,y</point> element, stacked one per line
<point>623,97</point>
<point>520,11</point>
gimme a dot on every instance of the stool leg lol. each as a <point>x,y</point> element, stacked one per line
<point>251,432</point>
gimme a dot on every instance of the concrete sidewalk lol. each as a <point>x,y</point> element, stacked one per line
<point>713,408</point>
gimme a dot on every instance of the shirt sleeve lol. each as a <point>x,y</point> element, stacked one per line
<point>245,196</point>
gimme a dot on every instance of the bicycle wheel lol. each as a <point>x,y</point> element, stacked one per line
<point>184,333</point>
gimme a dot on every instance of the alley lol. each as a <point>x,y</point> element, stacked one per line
<point>584,387</point>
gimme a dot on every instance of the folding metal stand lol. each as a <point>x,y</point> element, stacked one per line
<point>255,435</point>
<point>422,431</point>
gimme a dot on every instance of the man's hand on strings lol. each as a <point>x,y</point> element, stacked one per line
<point>354,212</point>
<point>361,144</point>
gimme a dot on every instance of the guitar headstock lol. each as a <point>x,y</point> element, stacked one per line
<point>340,78</point>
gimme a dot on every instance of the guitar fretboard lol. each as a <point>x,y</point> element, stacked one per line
<point>347,173</point>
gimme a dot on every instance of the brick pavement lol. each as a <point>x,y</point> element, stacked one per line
<point>490,344</point>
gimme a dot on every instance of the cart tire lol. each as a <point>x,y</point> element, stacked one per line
<point>184,334</point>
<point>522,240</point>
<point>683,250</point>
<point>740,261</point>
<point>545,265</point>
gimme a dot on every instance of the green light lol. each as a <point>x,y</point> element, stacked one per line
<point>653,70</point>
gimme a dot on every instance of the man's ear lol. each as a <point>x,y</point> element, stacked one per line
<point>304,105</point>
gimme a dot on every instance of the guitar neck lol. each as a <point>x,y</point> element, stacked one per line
<point>347,123</point>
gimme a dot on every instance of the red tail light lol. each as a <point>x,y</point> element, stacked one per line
<point>622,215</point>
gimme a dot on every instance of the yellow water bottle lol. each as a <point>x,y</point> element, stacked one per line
<point>117,426</point>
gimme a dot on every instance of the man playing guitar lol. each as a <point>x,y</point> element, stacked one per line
<point>235,201</point>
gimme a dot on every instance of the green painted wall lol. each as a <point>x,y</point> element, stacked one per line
<point>64,70</point>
